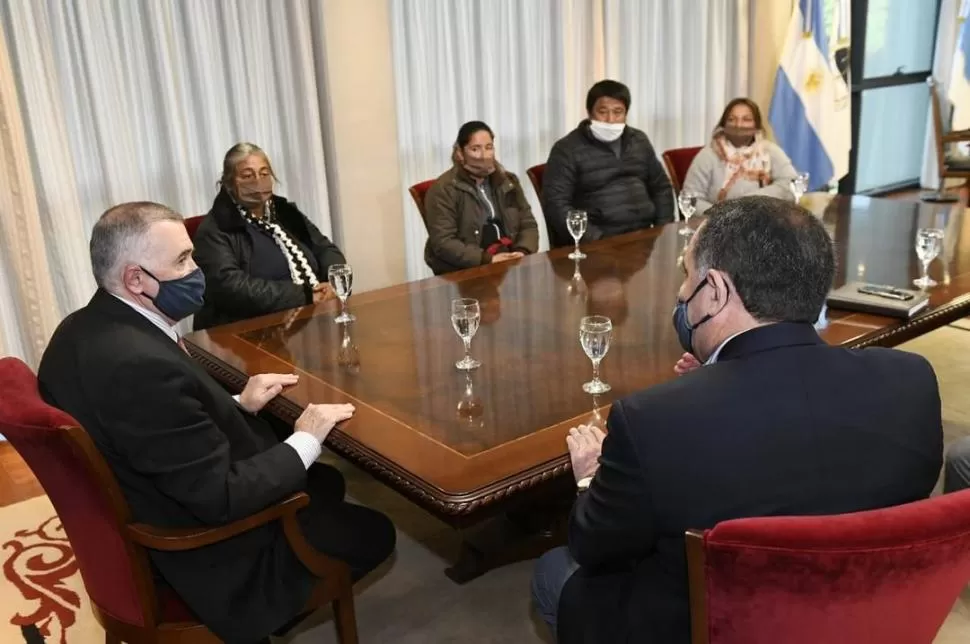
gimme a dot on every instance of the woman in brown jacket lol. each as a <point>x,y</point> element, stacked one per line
<point>476,212</point>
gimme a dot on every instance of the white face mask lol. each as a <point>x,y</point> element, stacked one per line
<point>606,132</point>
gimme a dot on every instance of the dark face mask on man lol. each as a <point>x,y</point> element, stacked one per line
<point>685,330</point>
<point>180,297</point>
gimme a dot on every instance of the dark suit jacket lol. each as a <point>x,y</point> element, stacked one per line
<point>782,424</point>
<point>185,455</point>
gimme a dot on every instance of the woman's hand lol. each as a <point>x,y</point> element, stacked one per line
<point>504,257</point>
<point>322,292</point>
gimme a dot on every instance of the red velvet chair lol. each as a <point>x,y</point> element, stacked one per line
<point>885,576</point>
<point>192,225</point>
<point>418,192</point>
<point>110,550</point>
<point>536,174</point>
<point>678,163</point>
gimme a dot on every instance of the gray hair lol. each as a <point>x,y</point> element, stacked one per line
<point>778,255</point>
<point>120,236</point>
<point>236,155</point>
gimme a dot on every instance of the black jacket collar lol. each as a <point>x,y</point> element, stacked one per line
<point>768,338</point>
<point>110,306</point>
<point>228,219</point>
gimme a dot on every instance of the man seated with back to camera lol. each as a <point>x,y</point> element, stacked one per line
<point>777,422</point>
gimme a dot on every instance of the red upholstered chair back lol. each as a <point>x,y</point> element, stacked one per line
<point>83,491</point>
<point>536,174</point>
<point>678,163</point>
<point>418,192</point>
<point>192,225</point>
<point>888,576</point>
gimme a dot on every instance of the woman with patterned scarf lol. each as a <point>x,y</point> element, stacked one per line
<point>259,253</point>
<point>739,162</point>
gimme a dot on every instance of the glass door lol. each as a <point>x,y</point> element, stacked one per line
<point>892,55</point>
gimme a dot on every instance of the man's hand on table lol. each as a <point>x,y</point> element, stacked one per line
<point>585,446</point>
<point>686,364</point>
<point>262,388</point>
<point>319,420</point>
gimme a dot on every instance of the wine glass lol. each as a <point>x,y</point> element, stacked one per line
<point>576,221</point>
<point>929,242</point>
<point>342,280</point>
<point>687,202</point>
<point>799,185</point>
<point>595,332</point>
<point>465,317</point>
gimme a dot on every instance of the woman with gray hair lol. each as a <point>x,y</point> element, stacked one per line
<point>259,253</point>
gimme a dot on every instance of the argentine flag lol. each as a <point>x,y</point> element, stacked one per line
<point>811,111</point>
<point>959,91</point>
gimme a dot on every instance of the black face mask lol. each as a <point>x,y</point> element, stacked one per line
<point>181,297</point>
<point>685,330</point>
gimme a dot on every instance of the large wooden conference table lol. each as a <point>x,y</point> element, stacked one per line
<point>464,447</point>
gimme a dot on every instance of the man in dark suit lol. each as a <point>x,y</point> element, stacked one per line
<point>776,422</point>
<point>183,450</point>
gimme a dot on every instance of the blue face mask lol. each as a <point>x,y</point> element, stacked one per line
<point>181,297</point>
<point>685,330</point>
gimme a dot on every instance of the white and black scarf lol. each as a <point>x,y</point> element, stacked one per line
<point>300,270</point>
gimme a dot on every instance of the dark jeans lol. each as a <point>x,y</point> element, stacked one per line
<point>362,537</point>
<point>956,470</point>
<point>553,570</point>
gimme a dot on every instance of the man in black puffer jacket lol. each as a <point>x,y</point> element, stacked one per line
<point>608,169</point>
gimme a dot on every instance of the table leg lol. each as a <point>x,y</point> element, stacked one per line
<point>508,538</point>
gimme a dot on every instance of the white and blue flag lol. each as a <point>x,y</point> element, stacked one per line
<point>811,111</point>
<point>959,90</point>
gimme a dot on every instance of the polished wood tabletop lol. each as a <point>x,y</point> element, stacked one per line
<point>460,443</point>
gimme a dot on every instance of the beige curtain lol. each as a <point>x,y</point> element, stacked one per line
<point>28,309</point>
<point>768,27</point>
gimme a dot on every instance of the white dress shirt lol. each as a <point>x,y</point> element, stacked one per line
<point>306,445</point>
<point>717,351</point>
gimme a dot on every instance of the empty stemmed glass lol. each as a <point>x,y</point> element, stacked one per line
<point>799,185</point>
<point>929,242</point>
<point>576,221</point>
<point>687,202</point>
<point>342,281</point>
<point>595,333</point>
<point>465,317</point>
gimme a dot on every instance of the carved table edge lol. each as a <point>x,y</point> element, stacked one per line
<point>910,329</point>
<point>459,506</point>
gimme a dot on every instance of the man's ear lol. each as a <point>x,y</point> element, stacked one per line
<point>133,278</point>
<point>720,285</point>
<point>457,155</point>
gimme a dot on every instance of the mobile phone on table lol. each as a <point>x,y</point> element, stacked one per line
<point>887,292</point>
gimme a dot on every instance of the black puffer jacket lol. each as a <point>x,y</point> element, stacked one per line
<point>619,194</point>
<point>224,249</point>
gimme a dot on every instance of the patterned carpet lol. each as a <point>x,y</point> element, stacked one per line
<point>409,600</point>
